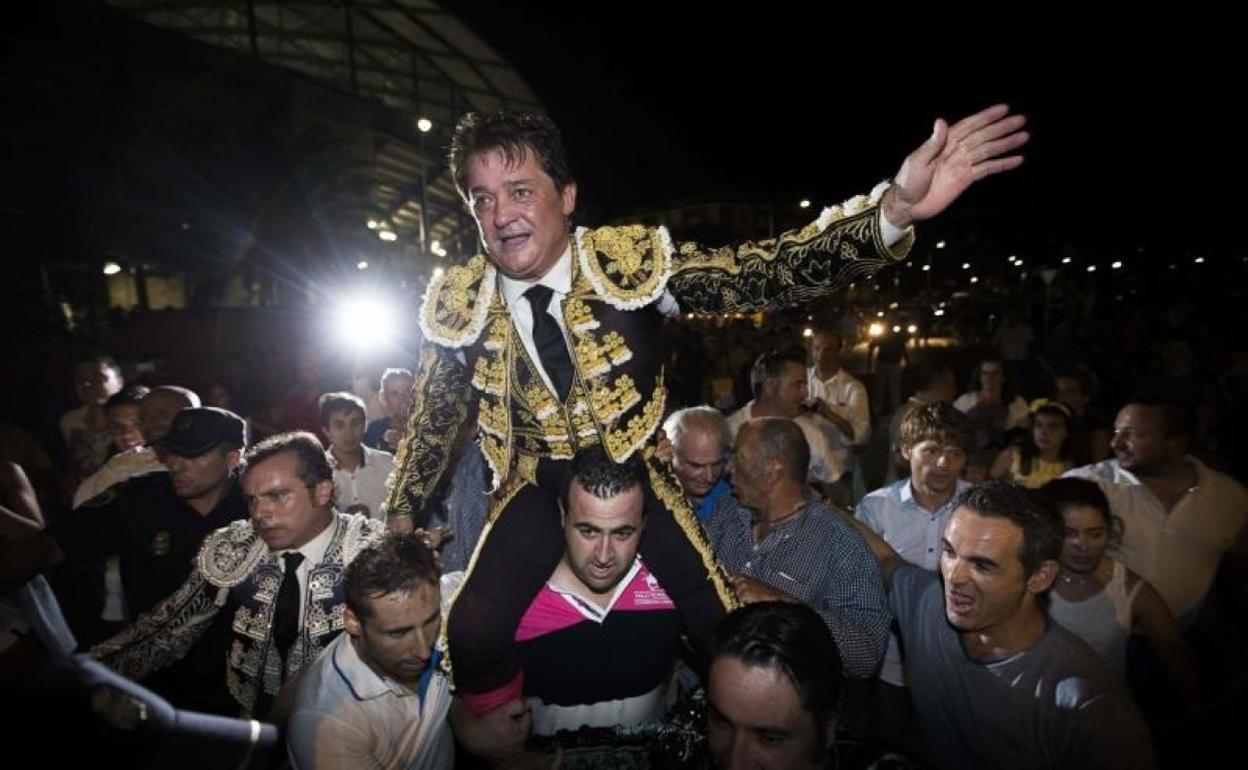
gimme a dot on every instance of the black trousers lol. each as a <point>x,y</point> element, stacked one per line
<point>522,545</point>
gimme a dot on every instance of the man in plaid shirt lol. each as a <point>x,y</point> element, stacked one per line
<point>781,543</point>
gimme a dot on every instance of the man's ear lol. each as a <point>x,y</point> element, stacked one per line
<point>323,492</point>
<point>351,623</point>
<point>567,197</point>
<point>1042,578</point>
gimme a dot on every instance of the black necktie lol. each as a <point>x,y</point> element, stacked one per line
<point>552,348</point>
<point>286,613</point>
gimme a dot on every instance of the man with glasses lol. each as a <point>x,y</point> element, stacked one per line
<point>265,593</point>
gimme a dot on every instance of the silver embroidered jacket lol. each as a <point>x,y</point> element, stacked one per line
<point>236,573</point>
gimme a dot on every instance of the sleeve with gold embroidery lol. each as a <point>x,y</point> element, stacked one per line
<point>440,396</point>
<point>844,244</point>
<point>165,633</point>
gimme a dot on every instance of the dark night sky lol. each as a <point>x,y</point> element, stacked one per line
<point>1134,123</point>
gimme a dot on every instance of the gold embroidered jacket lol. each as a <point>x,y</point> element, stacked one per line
<point>236,572</point>
<point>619,275</point>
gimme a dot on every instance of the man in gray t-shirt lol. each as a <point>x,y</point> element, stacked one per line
<point>993,683</point>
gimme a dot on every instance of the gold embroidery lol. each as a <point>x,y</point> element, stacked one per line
<point>610,401</point>
<point>673,498</point>
<point>455,306</point>
<point>627,266</point>
<point>495,451</point>
<point>228,555</point>
<point>490,373</point>
<point>439,408</point>
<point>844,244</point>
<point>498,334</point>
<point>577,316</point>
<point>622,442</point>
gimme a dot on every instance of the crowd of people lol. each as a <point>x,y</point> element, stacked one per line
<point>524,549</point>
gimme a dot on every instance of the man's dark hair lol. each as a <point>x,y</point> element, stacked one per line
<point>312,466</point>
<point>792,639</point>
<point>595,472</point>
<point>393,564</point>
<point>938,422</point>
<point>779,438</point>
<point>1042,531</point>
<point>515,134</point>
<point>340,401</point>
<point>1067,491</point>
<point>130,395</point>
<point>1178,418</point>
<point>770,365</point>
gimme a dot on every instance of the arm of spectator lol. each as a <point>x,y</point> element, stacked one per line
<point>318,740</point>
<point>19,495</point>
<point>884,553</point>
<point>858,412</point>
<point>1153,619</point>
<point>751,591</point>
<point>850,597</point>
<point>497,736</point>
<point>1001,466</point>
<point>21,558</point>
<point>827,412</point>
<point>164,634</point>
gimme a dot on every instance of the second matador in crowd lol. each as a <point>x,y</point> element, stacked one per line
<point>554,333</point>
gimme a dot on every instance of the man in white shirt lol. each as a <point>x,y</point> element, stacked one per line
<point>838,400</point>
<point>376,697</point>
<point>779,382</point>
<point>1179,516</point>
<point>360,472</point>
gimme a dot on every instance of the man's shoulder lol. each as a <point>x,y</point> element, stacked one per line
<point>889,493</point>
<point>917,602</point>
<point>326,704</point>
<point>1077,672</point>
<point>844,379</point>
<point>833,524</point>
<point>455,307</point>
<point>1226,487</point>
<point>377,457</point>
<point>628,266</point>
<point>912,580</point>
<point>134,491</point>
<point>229,554</point>
<point>1106,471</point>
